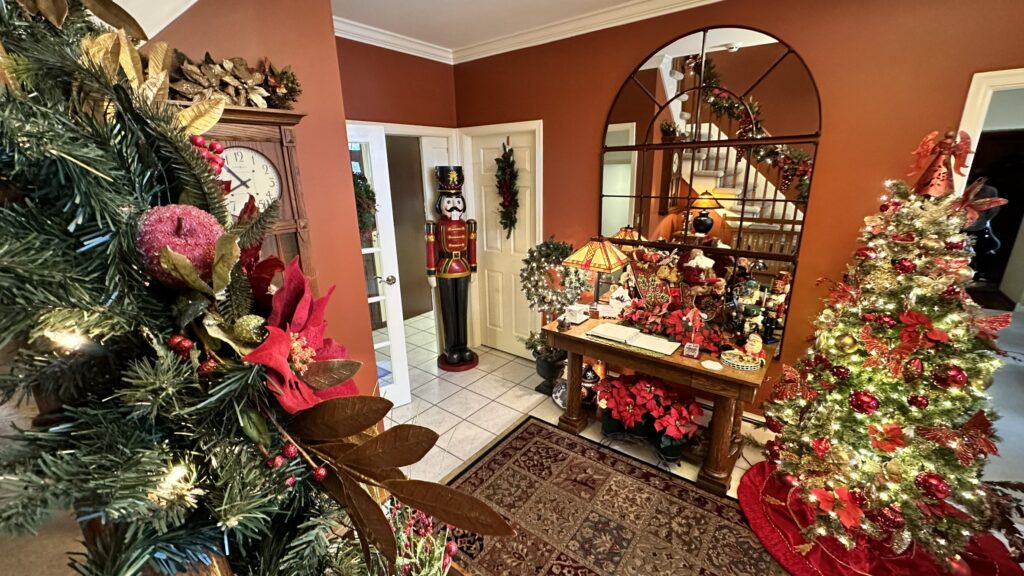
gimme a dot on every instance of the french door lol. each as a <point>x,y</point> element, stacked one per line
<point>368,154</point>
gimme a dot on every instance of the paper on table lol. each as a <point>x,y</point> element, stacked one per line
<point>633,337</point>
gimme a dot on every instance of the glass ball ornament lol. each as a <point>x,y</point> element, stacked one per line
<point>913,369</point>
<point>867,253</point>
<point>950,376</point>
<point>918,401</point>
<point>863,401</point>
<point>904,265</point>
<point>933,485</point>
<point>846,343</point>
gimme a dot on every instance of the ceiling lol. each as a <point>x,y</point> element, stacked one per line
<point>154,16</point>
<point>455,31</point>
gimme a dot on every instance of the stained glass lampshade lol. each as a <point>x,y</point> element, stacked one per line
<point>598,255</point>
<point>628,233</point>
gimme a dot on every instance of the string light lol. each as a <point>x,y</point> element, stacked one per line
<point>69,341</point>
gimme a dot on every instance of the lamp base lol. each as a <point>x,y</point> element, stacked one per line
<point>703,223</point>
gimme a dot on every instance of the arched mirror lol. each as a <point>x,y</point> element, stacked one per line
<point>710,145</point>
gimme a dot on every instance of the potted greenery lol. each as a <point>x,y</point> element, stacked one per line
<point>549,287</point>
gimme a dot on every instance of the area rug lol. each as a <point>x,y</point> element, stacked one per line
<point>581,509</point>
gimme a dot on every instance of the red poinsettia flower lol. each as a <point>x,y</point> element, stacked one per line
<point>888,438</point>
<point>821,446</point>
<point>919,332</point>
<point>296,339</point>
<point>676,423</point>
<point>842,503</point>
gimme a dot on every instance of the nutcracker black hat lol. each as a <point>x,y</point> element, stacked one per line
<point>449,178</point>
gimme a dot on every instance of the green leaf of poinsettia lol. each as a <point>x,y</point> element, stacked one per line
<point>178,266</point>
<point>254,426</point>
<point>226,254</point>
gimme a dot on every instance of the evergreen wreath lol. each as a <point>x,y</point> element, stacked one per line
<point>507,177</point>
<point>366,206</point>
<point>549,285</point>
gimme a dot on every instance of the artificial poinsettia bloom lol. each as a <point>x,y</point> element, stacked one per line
<point>295,340</point>
<point>676,423</point>
<point>888,438</point>
<point>919,332</point>
<point>842,503</point>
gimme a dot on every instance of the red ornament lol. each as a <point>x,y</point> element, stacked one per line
<point>957,245</point>
<point>932,484</point>
<point>841,372</point>
<point>822,360</point>
<point>868,317</point>
<point>957,567</point>
<point>892,205</point>
<point>275,462</point>
<point>216,147</point>
<point>890,518</point>
<point>198,141</point>
<point>180,345</point>
<point>821,446</point>
<point>904,265</point>
<point>207,367</point>
<point>773,448</point>
<point>291,480</point>
<point>912,370</point>
<point>187,230</point>
<point>887,320</point>
<point>451,548</point>
<point>918,401</point>
<point>867,253</point>
<point>905,237</point>
<point>773,424</point>
<point>290,450</point>
<point>950,376</point>
<point>864,402</point>
<point>319,473</point>
<point>789,479</point>
<point>952,292</point>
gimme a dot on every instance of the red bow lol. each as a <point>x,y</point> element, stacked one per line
<point>881,353</point>
<point>973,208</point>
<point>988,326</point>
<point>969,441</point>
<point>791,386</point>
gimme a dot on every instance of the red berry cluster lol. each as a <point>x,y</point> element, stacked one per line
<point>181,345</point>
<point>289,451</point>
<point>211,152</point>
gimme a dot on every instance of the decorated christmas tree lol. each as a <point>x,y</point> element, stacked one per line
<point>191,413</point>
<point>885,426</point>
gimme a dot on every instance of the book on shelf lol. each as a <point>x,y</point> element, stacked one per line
<point>633,337</point>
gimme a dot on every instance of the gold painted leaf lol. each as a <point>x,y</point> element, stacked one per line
<point>154,89</point>
<point>130,60</point>
<point>201,116</point>
<point>257,100</point>
<point>226,254</point>
<point>338,418</point>
<point>103,50</point>
<point>187,88</point>
<point>117,17</point>
<point>193,73</point>
<point>400,445</point>
<point>7,79</point>
<point>451,506</point>
<point>803,549</point>
<point>30,6</point>
<point>322,375</point>
<point>160,58</point>
<point>180,267</point>
<point>53,10</point>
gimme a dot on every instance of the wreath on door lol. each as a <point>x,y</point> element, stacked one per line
<point>508,188</point>
<point>366,206</point>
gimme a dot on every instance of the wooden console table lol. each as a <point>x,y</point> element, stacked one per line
<point>730,389</point>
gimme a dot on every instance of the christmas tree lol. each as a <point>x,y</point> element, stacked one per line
<point>191,414</point>
<point>885,426</point>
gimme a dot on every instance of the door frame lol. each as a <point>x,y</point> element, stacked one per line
<point>472,201</point>
<point>979,97</point>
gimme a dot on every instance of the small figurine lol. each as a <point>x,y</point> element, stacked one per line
<point>755,348</point>
<point>698,269</point>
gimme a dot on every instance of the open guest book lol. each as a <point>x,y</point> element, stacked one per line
<point>633,337</point>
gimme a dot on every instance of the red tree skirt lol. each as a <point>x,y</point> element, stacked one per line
<point>776,515</point>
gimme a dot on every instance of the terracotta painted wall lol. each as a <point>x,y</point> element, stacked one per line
<point>888,72</point>
<point>303,38</point>
<point>382,85</point>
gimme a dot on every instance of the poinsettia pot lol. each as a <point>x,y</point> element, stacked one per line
<point>610,425</point>
<point>645,428</point>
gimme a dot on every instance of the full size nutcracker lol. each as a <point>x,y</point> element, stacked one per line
<point>451,262</point>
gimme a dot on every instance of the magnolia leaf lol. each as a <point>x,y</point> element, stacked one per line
<point>7,79</point>
<point>192,72</point>
<point>324,374</point>
<point>369,518</point>
<point>154,89</point>
<point>337,418</point>
<point>214,327</point>
<point>30,6</point>
<point>130,60</point>
<point>200,117</point>
<point>179,266</point>
<point>117,17</point>
<point>333,451</point>
<point>254,426</point>
<point>257,100</point>
<point>188,308</point>
<point>226,255</point>
<point>400,445</point>
<point>160,58</point>
<point>53,10</point>
<point>103,50</point>
<point>450,506</point>
<point>376,476</point>
<point>187,88</point>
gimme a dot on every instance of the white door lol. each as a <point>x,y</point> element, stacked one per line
<point>505,315</point>
<point>368,154</point>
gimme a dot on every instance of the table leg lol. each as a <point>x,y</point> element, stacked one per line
<point>737,432</point>
<point>716,474</point>
<point>574,420</point>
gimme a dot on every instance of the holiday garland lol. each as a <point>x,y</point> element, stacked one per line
<point>507,177</point>
<point>233,80</point>
<point>549,285</point>
<point>366,205</point>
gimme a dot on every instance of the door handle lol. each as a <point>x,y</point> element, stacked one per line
<point>390,280</point>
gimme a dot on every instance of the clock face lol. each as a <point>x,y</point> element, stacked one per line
<point>249,172</point>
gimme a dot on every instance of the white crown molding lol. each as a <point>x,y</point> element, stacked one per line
<point>626,13</point>
<point>390,40</point>
<point>578,25</point>
<point>155,16</point>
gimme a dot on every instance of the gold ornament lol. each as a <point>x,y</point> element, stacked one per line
<point>881,276</point>
<point>846,343</point>
<point>931,244</point>
<point>965,274</point>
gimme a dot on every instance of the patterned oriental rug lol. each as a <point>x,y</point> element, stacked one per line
<point>580,509</point>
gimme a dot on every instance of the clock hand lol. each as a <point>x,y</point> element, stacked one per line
<point>242,183</point>
<point>235,174</point>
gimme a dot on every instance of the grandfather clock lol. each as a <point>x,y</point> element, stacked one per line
<point>260,159</point>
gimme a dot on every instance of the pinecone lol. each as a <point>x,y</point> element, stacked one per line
<point>250,329</point>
